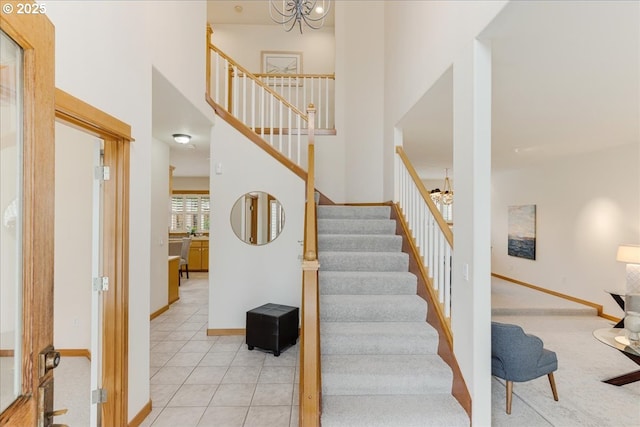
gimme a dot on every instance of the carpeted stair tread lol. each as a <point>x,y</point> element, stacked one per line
<point>378,338</point>
<point>380,365</point>
<point>372,308</point>
<point>367,282</point>
<point>349,375</point>
<point>356,226</point>
<point>363,261</point>
<point>359,212</point>
<point>360,243</point>
<point>435,410</point>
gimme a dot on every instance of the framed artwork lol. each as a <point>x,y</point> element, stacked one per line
<point>281,62</point>
<point>522,231</point>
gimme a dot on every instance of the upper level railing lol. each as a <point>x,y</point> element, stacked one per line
<point>240,93</point>
<point>302,89</point>
<point>432,235</point>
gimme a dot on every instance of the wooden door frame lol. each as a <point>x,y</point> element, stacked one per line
<point>35,35</point>
<point>115,320</point>
<point>254,219</point>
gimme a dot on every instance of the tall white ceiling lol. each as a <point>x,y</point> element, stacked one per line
<point>566,80</point>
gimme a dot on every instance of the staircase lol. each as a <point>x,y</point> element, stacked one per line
<point>380,365</point>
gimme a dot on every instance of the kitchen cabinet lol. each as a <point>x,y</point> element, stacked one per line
<point>199,255</point>
<point>173,292</point>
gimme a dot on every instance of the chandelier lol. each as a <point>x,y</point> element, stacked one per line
<point>446,195</point>
<point>288,13</point>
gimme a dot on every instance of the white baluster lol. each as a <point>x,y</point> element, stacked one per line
<point>217,80</point>
<point>261,112</point>
<point>271,119</point>
<point>253,105</point>
<point>244,98</point>
<point>326,103</point>
<point>447,281</point>
<point>280,127</point>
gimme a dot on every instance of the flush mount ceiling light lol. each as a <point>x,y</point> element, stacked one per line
<point>288,13</point>
<point>181,138</point>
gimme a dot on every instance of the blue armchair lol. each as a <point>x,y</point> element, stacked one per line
<point>516,356</point>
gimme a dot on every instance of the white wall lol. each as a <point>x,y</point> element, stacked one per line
<point>471,266</point>
<point>360,63</point>
<point>191,183</point>
<point>422,38</point>
<point>105,52</point>
<point>74,178</point>
<point>159,223</point>
<point>244,43</point>
<point>244,276</point>
<point>586,207</point>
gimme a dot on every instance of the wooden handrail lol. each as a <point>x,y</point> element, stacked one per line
<point>446,230</point>
<point>310,378</point>
<point>297,76</point>
<point>256,80</point>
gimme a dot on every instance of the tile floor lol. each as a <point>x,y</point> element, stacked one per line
<point>197,380</point>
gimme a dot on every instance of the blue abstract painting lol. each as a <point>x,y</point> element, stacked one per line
<point>522,231</point>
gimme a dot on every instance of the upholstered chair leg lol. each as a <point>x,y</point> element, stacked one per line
<point>552,381</point>
<point>509,392</point>
<point>187,267</point>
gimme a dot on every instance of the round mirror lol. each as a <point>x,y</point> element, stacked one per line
<point>257,218</point>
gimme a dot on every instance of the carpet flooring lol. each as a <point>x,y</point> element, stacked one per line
<point>583,362</point>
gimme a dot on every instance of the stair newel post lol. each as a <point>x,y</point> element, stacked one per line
<point>310,381</point>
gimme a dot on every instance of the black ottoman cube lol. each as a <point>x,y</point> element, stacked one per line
<point>272,327</point>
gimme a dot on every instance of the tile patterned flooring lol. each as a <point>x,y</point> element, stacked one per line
<point>197,380</point>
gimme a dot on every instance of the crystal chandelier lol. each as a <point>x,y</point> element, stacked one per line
<point>446,195</point>
<point>288,13</point>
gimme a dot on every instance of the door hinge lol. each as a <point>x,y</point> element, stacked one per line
<point>100,284</point>
<point>98,396</point>
<point>103,173</point>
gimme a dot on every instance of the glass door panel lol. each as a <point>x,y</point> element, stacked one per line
<point>11,194</point>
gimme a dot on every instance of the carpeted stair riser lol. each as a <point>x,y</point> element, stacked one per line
<point>367,282</point>
<point>379,356</point>
<point>435,410</point>
<point>354,212</point>
<point>356,226</point>
<point>378,338</point>
<point>350,375</point>
<point>363,261</point>
<point>359,243</point>
<point>372,308</point>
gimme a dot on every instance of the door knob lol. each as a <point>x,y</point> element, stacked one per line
<point>49,359</point>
